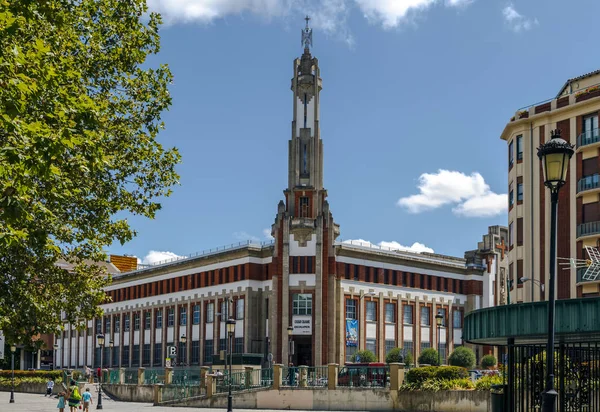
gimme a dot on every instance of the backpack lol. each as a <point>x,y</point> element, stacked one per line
<point>75,395</point>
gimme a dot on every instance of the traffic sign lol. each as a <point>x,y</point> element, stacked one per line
<point>172,351</point>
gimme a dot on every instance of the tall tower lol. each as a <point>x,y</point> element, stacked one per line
<point>304,231</point>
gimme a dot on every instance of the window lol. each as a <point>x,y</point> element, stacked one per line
<point>157,355</point>
<point>181,352</point>
<point>210,313</point>
<point>170,317</point>
<point>408,347</point>
<point>350,308</point>
<point>147,320</point>
<point>146,355</point>
<point>519,147</point>
<point>457,319</point>
<point>239,309</point>
<point>519,192</point>
<point>590,129</point>
<point>511,238</point>
<point>183,316</point>
<point>224,310</point>
<point>390,310</point>
<point>208,350</point>
<point>107,325</point>
<point>126,322</point>
<point>511,197</point>
<point>510,155</point>
<point>196,315</point>
<point>519,231</point>
<point>238,345</point>
<point>371,311</point>
<point>98,326</point>
<point>425,345</point>
<point>136,321</point>
<point>304,206</point>
<point>223,344</point>
<point>135,356</point>
<point>425,320</point>
<point>115,356</point>
<point>159,319</point>
<point>372,345</point>
<point>302,304</point>
<point>442,352</point>
<point>443,313</point>
<point>117,324</point>
<point>125,361</point>
<point>195,352</point>
<point>389,345</point>
<point>408,315</point>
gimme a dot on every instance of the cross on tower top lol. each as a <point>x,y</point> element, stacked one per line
<point>307,19</point>
<point>502,248</point>
<point>307,35</point>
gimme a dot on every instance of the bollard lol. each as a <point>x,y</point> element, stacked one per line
<point>168,376</point>
<point>303,376</point>
<point>211,386</point>
<point>141,376</point>
<point>277,369</point>
<point>332,376</point>
<point>122,376</point>
<point>248,376</point>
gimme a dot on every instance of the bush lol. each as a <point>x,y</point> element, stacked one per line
<point>408,359</point>
<point>442,373</point>
<point>395,355</point>
<point>32,374</point>
<point>366,356</point>
<point>463,357</point>
<point>419,375</point>
<point>485,382</point>
<point>429,356</point>
<point>488,361</point>
<point>436,385</point>
<point>451,372</point>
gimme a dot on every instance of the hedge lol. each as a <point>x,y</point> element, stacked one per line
<point>32,374</point>
<point>419,375</point>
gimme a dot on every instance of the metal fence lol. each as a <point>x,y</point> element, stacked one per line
<point>131,376</point>
<point>186,376</point>
<point>576,372</point>
<point>113,377</point>
<point>154,375</point>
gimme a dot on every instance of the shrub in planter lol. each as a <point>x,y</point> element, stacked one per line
<point>488,361</point>
<point>429,356</point>
<point>41,374</point>
<point>463,357</point>
<point>451,372</point>
<point>419,375</point>
<point>485,382</point>
<point>408,359</point>
<point>366,356</point>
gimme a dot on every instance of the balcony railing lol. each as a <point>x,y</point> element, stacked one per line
<point>590,228</point>
<point>580,273</point>
<point>588,183</point>
<point>589,137</point>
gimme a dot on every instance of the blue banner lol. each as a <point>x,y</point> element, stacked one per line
<point>351,332</point>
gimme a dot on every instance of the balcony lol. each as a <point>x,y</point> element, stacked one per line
<point>588,229</point>
<point>588,183</point>
<point>589,137</point>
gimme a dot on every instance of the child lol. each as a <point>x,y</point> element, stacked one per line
<point>87,399</point>
<point>61,402</point>
<point>49,387</point>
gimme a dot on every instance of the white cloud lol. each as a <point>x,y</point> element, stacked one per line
<point>471,195</point>
<point>393,245</point>
<point>329,16</point>
<point>516,21</point>
<point>155,256</point>
<point>267,234</point>
<point>243,236</point>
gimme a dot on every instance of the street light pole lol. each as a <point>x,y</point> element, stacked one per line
<point>13,349</point>
<point>534,281</point>
<point>230,331</point>
<point>100,340</point>
<point>554,155</point>
<point>54,356</point>
<point>439,319</point>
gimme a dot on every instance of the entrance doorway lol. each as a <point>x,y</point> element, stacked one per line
<point>303,351</point>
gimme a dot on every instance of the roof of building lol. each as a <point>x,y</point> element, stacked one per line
<point>110,268</point>
<point>583,76</point>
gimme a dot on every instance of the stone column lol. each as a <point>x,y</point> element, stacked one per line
<point>434,327</point>
<point>396,376</point>
<point>248,376</point>
<point>332,376</point>
<point>157,394</point>
<point>417,330</point>
<point>141,376</point>
<point>303,376</point>
<point>362,330</point>
<point>381,329</point>
<point>168,376</point>
<point>122,376</point>
<point>203,375</point>
<point>152,334</point>
<point>277,370</point>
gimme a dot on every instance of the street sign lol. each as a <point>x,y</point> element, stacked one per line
<point>172,351</point>
<point>270,357</point>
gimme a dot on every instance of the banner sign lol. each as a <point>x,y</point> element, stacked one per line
<point>302,325</point>
<point>351,332</point>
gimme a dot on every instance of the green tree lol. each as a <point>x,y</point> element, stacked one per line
<point>365,356</point>
<point>408,359</point>
<point>488,361</point>
<point>462,356</point>
<point>395,355</point>
<point>80,111</point>
<point>429,356</point>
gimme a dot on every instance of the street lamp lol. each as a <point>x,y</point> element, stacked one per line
<point>183,340</point>
<point>54,356</point>
<point>13,349</point>
<point>230,331</point>
<point>535,281</point>
<point>100,340</point>
<point>554,155</point>
<point>439,319</point>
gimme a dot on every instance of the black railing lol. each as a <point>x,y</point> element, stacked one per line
<point>588,137</point>
<point>576,371</point>
<point>588,183</point>
<point>590,228</point>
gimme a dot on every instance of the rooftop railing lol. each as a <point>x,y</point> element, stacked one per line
<point>587,229</point>
<point>588,137</point>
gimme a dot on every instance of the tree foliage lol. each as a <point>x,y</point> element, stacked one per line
<point>429,356</point>
<point>395,355</point>
<point>462,356</point>
<point>80,111</point>
<point>365,356</point>
<point>488,361</point>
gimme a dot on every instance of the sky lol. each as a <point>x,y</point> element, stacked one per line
<point>415,96</point>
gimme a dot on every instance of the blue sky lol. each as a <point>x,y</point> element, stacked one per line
<point>415,96</point>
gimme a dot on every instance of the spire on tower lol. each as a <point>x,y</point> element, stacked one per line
<point>307,35</point>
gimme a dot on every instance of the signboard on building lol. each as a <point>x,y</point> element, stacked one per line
<point>351,332</point>
<point>2,343</point>
<point>302,325</point>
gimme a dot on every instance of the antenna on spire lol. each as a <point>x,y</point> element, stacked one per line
<point>307,35</point>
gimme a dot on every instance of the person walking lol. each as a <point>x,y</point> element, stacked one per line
<point>49,387</point>
<point>74,397</point>
<point>87,400</point>
<point>61,402</point>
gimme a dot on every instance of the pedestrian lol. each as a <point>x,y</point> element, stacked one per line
<point>98,371</point>
<point>49,387</point>
<point>74,397</point>
<point>61,402</point>
<point>87,400</point>
<point>88,373</point>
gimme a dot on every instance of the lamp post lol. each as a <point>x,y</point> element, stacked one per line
<point>535,281</point>
<point>554,155</point>
<point>13,349</point>
<point>439,319</point>
<point>54,356</point>
<point>230,331</point>
<point>100,340</point>
<point>183,340</point>
<point>290,331</point>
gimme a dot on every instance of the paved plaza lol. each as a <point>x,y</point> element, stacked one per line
<point>37,403</point>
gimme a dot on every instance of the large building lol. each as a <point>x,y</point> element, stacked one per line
<point>336,297</point>
<point>574,111</point>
